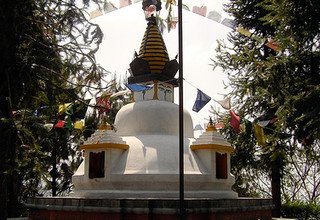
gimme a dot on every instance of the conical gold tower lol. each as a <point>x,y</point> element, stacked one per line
<point>152,62</point>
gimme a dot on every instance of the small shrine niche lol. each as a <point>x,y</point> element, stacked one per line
<point>96,165</point>
<point>221,165</point>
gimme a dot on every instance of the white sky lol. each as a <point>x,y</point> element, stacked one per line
<point>123,31</point>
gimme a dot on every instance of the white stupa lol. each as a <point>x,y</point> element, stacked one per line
<point>140,158</point>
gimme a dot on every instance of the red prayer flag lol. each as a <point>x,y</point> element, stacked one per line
<point>60,124</point>
<point>273,45</point>
<point>235,121</point>
<point>103,104</point>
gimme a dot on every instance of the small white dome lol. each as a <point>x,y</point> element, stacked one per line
<point>152,117</point>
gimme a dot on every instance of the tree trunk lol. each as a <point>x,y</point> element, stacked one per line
<point>276,188</point>
<point>54,172</point>
<point>13,202</point>
<point>7,130</point>
<point>3,194</point>
<point>7,156</point>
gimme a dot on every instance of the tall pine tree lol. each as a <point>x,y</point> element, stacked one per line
<point>47,55</point>
<point>273,67</point>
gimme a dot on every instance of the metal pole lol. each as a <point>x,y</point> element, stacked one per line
<point>181,126</point>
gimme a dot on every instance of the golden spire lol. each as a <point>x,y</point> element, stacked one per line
<point>211,126</point>
<point>153,48</point>
<point>152,62</point>
<point>104,124</point>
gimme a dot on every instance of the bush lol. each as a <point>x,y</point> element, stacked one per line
<point>301,210</point>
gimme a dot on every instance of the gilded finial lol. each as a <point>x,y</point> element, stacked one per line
<point>147,3</point>
<point>211,126</point>
<point>150,8</point>
<point>104,124</point>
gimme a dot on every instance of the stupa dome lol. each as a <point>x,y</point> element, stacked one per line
<point>152,117</point>
<point>146,163</point>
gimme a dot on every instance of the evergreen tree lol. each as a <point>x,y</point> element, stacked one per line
<point>47,57</point>
<point>273,67</point>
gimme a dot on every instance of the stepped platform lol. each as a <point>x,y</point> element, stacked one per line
<point>146,209</point>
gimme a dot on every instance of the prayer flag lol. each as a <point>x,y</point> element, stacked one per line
<point>267,42</point>
<point>95,13</point>
<point>235,121</point>
<point>65,108</point>
<point>273,45</point>
<point>109,7</point>
<point>124,3</point>
<point>59,124</point>
<point>120,93</point>
<point>13,114</point>
<point>201,100</point>
<point>103,104</point>
<point>38,111</point>
<point>198,127</point>
<point>219,125</point>
<point>244,31</point>
<point>173,23</point>
<point>200,10</point>
<point>48,126</point>
<point>78,125</point>
<point>68,123</point>
<point>225,103</point>
<point>259,133</point>
<point>138,87</point>
<point>242,127</point>
<point>247,33</point>
<point>263,123</point>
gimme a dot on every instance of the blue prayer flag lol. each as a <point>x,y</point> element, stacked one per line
<point>201,101</point>
<point>138,87</point>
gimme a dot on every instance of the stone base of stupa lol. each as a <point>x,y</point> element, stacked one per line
<point>69,208</point>
<point>115,194</point>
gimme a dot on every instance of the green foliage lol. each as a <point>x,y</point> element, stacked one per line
<point>251,163</point>
<point>47,51</point>
<point>280,83</point>
<point>116,100</point>
<point>301,210</point>
<point>248,13</point>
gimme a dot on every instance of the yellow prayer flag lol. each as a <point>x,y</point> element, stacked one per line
<point>78,125</point>
<point>63,107</point>
<point>244,31</point>
<point>259,133</point>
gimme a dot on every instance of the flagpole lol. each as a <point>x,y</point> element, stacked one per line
<point>181,125</point>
